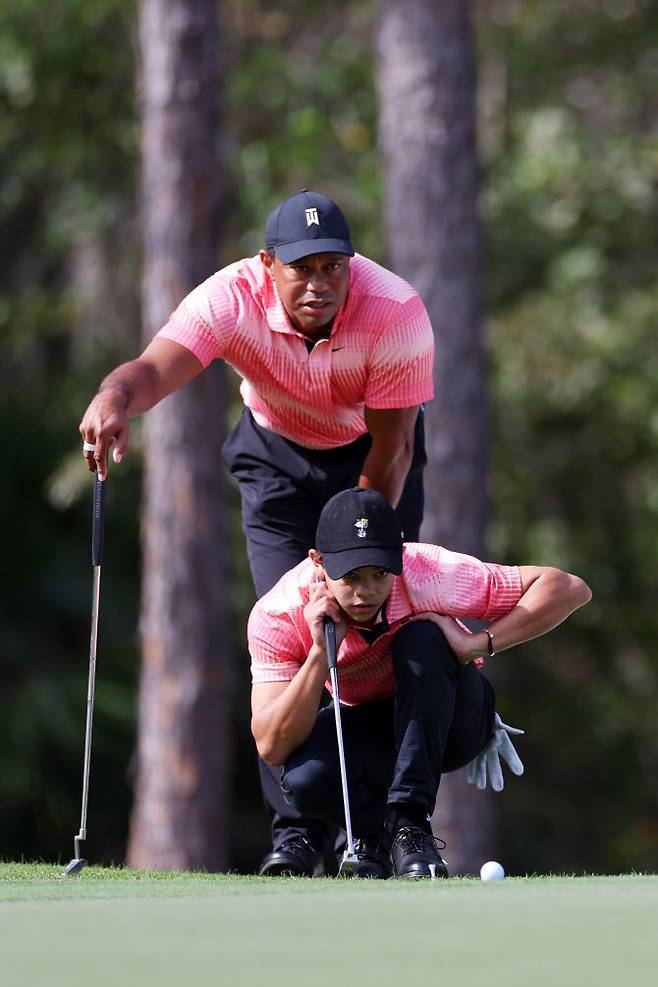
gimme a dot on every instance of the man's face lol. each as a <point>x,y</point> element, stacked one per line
<point>311,289</point>
<point>360,593</point>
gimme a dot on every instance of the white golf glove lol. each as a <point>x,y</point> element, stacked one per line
<point>487,765</point>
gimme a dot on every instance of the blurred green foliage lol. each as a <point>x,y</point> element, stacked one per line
<point>570,214</point>
<point>570,159</point>
<point>302,107</point>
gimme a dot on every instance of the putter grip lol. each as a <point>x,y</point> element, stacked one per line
<point>97,529</point>
<point>330,641</point>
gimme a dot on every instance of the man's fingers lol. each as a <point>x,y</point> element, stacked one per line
<point>121,444</point>
<point>95,452</point>
<point>100,456</point>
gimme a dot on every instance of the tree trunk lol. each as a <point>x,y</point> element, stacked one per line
<point>180,814</point>
<point>427,86</point>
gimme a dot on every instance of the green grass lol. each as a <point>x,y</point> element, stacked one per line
<point>119,927</point>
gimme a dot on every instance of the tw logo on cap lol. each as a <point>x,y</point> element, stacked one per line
<point>312,218</point>
<point>361,525</point>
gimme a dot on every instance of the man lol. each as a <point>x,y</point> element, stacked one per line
<point>416,705</point>
<point>335,355</point>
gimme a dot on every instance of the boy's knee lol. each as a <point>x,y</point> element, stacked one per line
<point>420,637</point>
<point>419,633</point>
<point>307,786</point>
<point>422,648</point>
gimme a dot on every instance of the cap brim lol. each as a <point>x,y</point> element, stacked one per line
<point>288,253</point>
<point>337,564</point>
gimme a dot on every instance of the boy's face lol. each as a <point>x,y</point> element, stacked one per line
<point>360,593</point>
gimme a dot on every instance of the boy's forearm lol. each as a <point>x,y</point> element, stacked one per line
<point>544,605</point>
<point>280,726</point>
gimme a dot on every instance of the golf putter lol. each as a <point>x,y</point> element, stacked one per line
<point>350,861</point>
<point>78,862</point>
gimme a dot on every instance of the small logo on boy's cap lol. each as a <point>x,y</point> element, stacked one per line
<point>358,528</point>
<point>361,525</point>
<point>312,217</point>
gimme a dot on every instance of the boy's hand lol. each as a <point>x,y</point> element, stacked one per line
<point>460,639</point>
<point>322,604</point>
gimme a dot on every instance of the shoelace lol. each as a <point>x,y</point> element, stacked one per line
<point>297,843</point>
<point>414,839</point>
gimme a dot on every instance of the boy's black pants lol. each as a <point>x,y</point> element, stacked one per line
<point>396,750</point>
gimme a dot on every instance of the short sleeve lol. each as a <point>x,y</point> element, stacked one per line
<point>274,646</point>
<point>205,319</point>
<point>400,371</point>
<point>459,585</point>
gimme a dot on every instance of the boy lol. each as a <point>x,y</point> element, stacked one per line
<point>416,703</point>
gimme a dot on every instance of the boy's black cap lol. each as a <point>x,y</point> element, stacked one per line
<point>307,223</point>
<point>359,527</point>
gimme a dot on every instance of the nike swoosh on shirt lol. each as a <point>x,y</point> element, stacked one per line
<point>336,348</point>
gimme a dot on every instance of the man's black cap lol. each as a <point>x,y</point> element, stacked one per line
<point>307,223</point>
<point>359,527</point>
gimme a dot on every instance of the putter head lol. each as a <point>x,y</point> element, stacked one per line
<point>348,864</point>
<point>75,866</point>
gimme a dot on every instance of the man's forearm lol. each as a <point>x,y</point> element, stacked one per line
<point>385,469</point>
<point>280,726</point>
<point>134,383</point>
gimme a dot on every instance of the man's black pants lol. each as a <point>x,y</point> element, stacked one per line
<point>283,488</point>
<point>396,750</point>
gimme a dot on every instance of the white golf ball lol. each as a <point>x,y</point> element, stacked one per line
<point>492,871</point>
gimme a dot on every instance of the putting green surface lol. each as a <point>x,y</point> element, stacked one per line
<point>117,927</point>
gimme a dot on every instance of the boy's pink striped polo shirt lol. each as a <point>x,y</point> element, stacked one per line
<point>432,579</point>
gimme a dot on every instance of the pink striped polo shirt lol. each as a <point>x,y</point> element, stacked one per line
<point>379,354</point>
<point>432,579</point>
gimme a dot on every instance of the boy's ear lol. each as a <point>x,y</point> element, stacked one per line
<point>316,559</point>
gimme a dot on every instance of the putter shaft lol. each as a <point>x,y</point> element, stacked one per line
<point>91,691</point>
<point>341,756</point>
<point>78,862</point>
<point>350,861</point>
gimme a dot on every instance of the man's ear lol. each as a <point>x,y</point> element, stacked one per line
<point>266,260</point>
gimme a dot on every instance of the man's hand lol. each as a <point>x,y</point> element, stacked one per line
<point>487,765</point>
<point>130,390</point>
<point>105,424</point>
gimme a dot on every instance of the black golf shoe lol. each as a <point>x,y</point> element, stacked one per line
<point>373,856</point>
<point>414,853</point>
<point>294,858</point>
